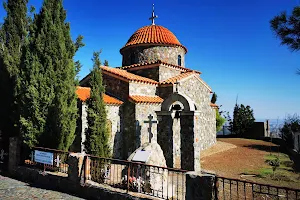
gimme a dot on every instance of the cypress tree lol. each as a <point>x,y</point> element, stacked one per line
<point>12,40</point>
<point>105,63</point>
<point>97,135</point>
<point>214,98</point>
<point>49,104</point>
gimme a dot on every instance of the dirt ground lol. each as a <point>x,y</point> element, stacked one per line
<point>248,154</point>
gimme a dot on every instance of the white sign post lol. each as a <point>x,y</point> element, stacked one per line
<point>43,157</point>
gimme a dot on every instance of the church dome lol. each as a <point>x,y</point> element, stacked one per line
<point>153,35</point>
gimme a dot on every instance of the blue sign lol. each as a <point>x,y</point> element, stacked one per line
<point>43,157</point>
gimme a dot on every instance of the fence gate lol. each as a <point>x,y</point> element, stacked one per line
<point>4,144</point>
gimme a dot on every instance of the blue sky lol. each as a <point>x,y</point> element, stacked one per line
<point>230,42</point>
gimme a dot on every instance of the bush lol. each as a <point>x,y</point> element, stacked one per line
<point>290,126</point>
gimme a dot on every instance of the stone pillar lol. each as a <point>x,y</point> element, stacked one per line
<point>200,186</point>
<point>176,143</point>
<point>84,125</point>
<point>76,169</point>
<point>14,154</point>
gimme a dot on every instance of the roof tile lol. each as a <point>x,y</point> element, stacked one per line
<point>146,99</point>
<point>179,77</point>
<point>156,64</point>
<point>153,34</point>
<point>83,94</point>
<point>127,75</point>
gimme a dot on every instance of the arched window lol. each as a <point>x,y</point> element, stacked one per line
<point>179,60</point>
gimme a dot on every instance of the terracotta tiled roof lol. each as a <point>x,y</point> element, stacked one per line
<point>153,34</point>
<point>83,94</point>
<point>127,75</point>
<point>179,77</point>
<point>111,100</point>
<point>145,99</point>
<point>156,64</point>
<point>213,105</point>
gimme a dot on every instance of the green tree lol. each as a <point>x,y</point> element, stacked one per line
<point>214,98</point>
<point>287,28</point>
<point>12,40</point>
<point>291,125</point>
<point>219,121</point>
<point>243,119</point>
<point>105,63</point>
<point>97,136</point>
<point>49,105</point>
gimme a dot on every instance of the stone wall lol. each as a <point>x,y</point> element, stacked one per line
<point>129,129</point>
<point>167,72</point>
<point>165,92</point>
<point>187,142</point>
<point>143,111</point>
<point>142,89</point>
<point>116,143</point>
<point>116,87</point>
<point>152,73</point>
<point>200,94</point>
<point>165,137</point>
<point>142,54</point>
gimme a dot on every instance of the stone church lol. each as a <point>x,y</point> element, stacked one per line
<point>155,98</point>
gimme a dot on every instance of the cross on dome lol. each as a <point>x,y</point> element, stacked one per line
<point>153,15</point>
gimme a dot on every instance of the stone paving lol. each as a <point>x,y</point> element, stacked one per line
<point>12,189</point>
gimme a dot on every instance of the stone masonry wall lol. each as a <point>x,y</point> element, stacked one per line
<point>166,72</point>
<point>116,87</point>
<point>200,94</point>
<point>114,116</point>
<point>187,142</point>
<point>165,92</point>
<point>152,73</point>
<point>142,89</point>
<point>129,129</point>
<point>165,137</point>
<point>142,54</point>
<point>142,128</point>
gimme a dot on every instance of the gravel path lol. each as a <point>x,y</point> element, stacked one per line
<point>12,189</point>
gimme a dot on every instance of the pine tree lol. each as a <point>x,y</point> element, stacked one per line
<point>97,135</point>
<point>12,40</point>
<point>49,105</point>
<point>105,63</point>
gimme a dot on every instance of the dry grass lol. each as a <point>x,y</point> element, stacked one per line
<point>249,157</point>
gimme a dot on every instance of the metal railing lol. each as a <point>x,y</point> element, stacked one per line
<point>162,182</point>
<point>59,160</point>
<point>228,188</point>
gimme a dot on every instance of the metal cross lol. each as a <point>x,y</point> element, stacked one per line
<point>150,117</point>
<point>153,15</point>
<point>2,154</point>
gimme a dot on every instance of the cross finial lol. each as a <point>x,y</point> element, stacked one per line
<point>153,15</point>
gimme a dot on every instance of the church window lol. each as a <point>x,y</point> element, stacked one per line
<point>179,60</point>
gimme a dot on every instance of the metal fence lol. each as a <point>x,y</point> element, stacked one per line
<point>227,188</point>
<point>162,182</point>
<point>59,160</point>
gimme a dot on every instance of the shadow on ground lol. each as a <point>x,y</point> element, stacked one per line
<point>264,147</point>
